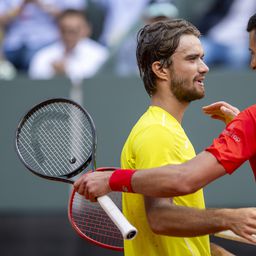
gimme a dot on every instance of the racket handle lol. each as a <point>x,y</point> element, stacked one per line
<point>128,231</point>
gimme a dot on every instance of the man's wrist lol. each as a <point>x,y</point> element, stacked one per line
<point>121,180</point>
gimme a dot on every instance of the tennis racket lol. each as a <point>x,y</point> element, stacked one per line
<point>56,140</point>
<point>92,223</point>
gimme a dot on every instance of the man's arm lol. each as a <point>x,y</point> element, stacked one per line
<point>166,181</point>
<point>175,180</point>
<point>8,14</point>
<point>169,219</point>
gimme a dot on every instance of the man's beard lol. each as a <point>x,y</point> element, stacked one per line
<point>182,92</point>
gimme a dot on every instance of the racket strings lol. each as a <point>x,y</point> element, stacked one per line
<point>53,159</point>
<point>40,135</point>
<point>56,139</point>
<point>92,221</point>
<point>75,127</point>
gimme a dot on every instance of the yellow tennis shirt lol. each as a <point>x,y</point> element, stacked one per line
<point>158,139</point>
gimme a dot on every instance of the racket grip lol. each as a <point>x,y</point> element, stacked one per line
<point>128,231</point>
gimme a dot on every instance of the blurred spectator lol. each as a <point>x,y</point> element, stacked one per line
<point>120,16</point>
<point>74,55</point>
<point>7,70</point>
<point>224,35</point>
<point>30,25</point>
<point>126,63</point>
<point>95,13</point>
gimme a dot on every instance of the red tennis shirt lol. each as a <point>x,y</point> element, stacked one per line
<point>237,143</point>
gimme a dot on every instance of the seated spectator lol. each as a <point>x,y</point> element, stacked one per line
<point>30,25</point>
<point>159,10</point>
<point>120,16</point>
<point>224,37</point>
<point>75,55</point>
<point>126,63</point>
<point>7,70</point>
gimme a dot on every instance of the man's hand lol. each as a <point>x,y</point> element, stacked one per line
<point>93,184</point>
<point>59,67</point>
<point>221,110</point>
<point>242,222</point>
<point>217,250</point>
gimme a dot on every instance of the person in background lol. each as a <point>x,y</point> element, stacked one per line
<point>7,70</point>
<point>125,59</point>
<point>30,25</point>
<point>223,29</point>
<point>120,17</point>
<point>75,55</point>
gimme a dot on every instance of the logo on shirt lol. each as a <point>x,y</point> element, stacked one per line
<point>186,144</point>
<point>232,135</point>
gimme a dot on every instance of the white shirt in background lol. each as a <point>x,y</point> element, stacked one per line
<point>83,62</point>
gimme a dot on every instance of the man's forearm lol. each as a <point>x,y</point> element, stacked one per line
<point>173,220</point>
<point>165,181</point>
<point>188,222</point>
<point>170,180</point>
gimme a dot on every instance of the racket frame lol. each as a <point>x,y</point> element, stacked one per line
<point>77,229</point>
<point>62,178</point>
<point>127,230</point>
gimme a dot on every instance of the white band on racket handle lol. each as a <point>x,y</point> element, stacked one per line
<point>128,231</point>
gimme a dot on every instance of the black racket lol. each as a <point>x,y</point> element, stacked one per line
<point>56,140</point>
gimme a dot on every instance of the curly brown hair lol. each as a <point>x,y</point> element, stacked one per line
<point>157,42</point>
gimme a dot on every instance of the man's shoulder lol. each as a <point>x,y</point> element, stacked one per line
<point>252,107</point>
<point>249,111</point>
<point>53,47</point>
<point>49,51</point>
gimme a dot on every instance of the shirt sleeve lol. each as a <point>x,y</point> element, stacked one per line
<point>236,143</point>
<point>41,66</point>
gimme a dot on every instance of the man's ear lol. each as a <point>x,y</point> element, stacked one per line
<point>159,70</point>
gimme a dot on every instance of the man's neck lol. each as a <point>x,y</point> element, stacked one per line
<point>171,105</point>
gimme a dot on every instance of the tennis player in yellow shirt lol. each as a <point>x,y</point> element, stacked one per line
<point>163,217</point>
<point>170,59</point>
<point>158,139</point>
